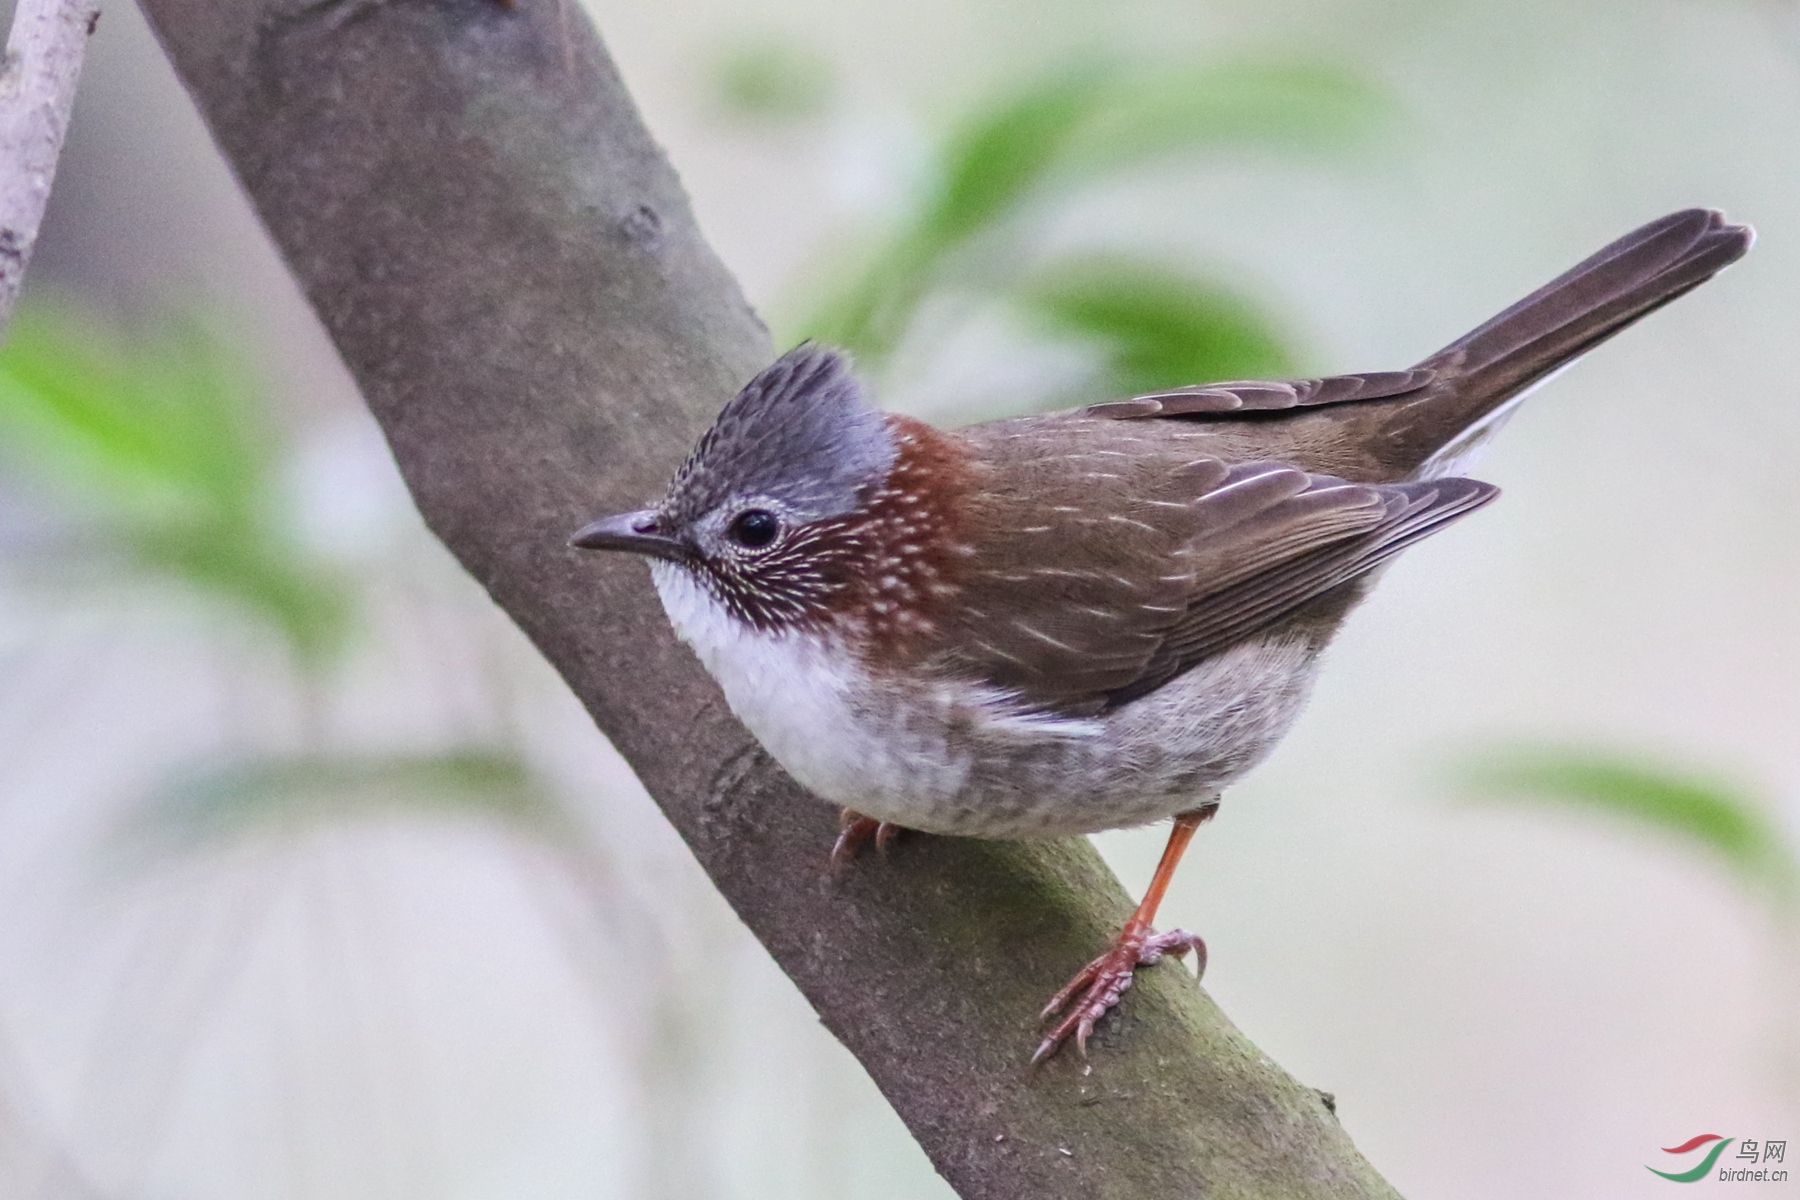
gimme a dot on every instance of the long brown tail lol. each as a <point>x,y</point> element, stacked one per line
<point>1481,371</point>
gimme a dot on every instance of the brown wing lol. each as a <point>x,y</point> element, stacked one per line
<point>1114,556</point>
<point>1173,539</point>
<point>1226,615</point>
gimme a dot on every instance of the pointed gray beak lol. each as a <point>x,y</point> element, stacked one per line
<point>632,531</point>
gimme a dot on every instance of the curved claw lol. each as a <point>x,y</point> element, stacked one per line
<point>856,831</point>
<point>1100,984</point>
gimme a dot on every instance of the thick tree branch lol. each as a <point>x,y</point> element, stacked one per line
<point>509,266</point>
<point>37,93</point>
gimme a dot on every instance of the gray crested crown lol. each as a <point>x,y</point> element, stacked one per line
<point>800,433</point>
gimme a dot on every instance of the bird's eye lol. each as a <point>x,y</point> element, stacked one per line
<point>754,528</point>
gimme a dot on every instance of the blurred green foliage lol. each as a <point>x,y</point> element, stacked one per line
<point>1716,818</point>
<point>1012,159</point>
<point>158,450</point>
<point>157,446</point>
<point>773,79</point>
<point>1156,326</point>
<point>211,805</point>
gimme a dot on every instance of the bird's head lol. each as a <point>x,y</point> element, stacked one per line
<point>795,506</point>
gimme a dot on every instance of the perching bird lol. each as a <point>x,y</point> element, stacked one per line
<point>1059,624</point>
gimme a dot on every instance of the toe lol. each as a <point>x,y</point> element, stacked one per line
<point>854,832</point>
<point>1097,987</point>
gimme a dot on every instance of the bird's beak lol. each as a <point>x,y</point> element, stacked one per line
<point>633,531</point>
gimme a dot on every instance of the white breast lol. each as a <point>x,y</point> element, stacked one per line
<point>805,699</point>
<point>958,757</point>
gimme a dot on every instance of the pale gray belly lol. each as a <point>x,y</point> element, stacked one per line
<point>950,757</point>
<point>954,769</point>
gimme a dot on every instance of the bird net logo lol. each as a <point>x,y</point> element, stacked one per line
<point>1749,1165</point>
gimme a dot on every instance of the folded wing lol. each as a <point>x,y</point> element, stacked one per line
<point>1109,569</point>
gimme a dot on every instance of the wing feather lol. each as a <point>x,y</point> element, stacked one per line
<point>1261,395</point>
<point>1161,557</point>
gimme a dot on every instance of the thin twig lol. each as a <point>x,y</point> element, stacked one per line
<point>37,93</point>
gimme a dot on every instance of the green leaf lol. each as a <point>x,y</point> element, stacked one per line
<point>157,444</point>
<point>131,423</point>
<point>1159,328</point>
<point>1077,127</point>
<point>1304,107</point>
<point>275,794</point>
<point>986,170</point>
<point>991,166</point>
<point>1703,814</point>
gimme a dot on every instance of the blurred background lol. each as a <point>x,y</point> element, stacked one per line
<point>314,882</point>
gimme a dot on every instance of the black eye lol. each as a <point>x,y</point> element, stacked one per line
<point>755,528</point>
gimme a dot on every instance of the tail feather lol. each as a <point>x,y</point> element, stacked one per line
<point>1633,277</point>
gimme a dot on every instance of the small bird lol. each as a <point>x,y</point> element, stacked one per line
<point>1103,617</point>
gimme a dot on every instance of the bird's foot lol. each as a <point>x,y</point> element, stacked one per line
<point>856,831</point>
<point>1098,986</point>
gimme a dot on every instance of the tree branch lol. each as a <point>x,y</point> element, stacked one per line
<point>509,267</point>
<point>37,93</point>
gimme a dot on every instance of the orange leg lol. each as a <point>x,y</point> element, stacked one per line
<point>1098,986</point>
<point>856,831</point>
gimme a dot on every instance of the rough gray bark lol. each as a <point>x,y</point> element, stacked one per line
<point>508,265</point>
<point>37,93</point>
